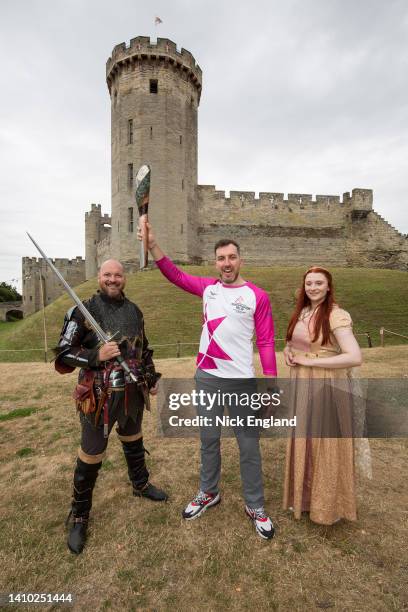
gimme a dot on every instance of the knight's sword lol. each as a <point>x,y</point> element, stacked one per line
<point>92,322</point>
<point>142,196</point>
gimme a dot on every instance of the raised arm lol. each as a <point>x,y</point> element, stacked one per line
<point>187,282</point>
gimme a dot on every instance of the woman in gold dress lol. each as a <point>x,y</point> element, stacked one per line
<point>321,351</point>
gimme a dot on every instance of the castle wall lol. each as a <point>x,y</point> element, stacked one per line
<point>273,230</point>
<point>300,230</point>
<point>374,243</point>
<point>36,272</point>
<point>103,251</point>
<point>161,129</point>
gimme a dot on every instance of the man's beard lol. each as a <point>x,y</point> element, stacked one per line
<point>117,295</point>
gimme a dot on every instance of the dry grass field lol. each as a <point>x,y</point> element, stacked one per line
<point>143,556</point>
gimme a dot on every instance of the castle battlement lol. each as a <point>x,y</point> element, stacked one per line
<point>78,260</point>
<point>272,227</point>
<point>42,286</point>
<point>142,48</point>
<point>155,93</point>
<point>61,260</point>
<point>96,210</point>
<point>95,215</point>
<point>360,200</point>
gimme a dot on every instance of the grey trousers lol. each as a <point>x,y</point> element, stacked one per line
<point>247,438</point>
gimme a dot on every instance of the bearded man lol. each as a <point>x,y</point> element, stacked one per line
<point>233,309</point>
<point>105,394</point>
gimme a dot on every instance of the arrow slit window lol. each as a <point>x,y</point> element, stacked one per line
<point>130,176</point>
<point>130,219</point>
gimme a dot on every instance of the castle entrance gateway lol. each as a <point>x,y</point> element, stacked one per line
<point>10,311</point>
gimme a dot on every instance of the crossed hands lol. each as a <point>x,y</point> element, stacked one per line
<point>292,360</point>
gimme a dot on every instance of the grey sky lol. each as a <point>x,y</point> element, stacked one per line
<point>298,96</point>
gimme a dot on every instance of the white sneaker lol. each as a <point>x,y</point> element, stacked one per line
<point>199,504</point>
<point>262,522</point>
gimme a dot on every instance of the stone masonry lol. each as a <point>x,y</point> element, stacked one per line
<point>37,275</point>
<point>155,92</point>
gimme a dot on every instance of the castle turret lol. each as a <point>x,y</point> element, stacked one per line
<point>361,203</point>
<point>97,229</point>
<point>155,92</point>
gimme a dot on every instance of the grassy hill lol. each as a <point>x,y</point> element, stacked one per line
<point>374,298</point>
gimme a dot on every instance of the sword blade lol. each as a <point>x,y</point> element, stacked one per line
<point>94,324</point>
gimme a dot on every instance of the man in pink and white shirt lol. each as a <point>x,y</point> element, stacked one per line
<point>233,309</point>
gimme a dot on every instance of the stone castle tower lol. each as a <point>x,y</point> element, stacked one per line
<point>155,92</point>
<point>97,235</point>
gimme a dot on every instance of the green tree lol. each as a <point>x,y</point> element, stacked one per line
<point>8,293</point>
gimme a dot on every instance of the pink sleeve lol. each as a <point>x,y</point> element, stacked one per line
<point>192,284</point>
<point>265,335</point>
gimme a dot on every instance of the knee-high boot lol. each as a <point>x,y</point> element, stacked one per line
<point>85,476</point>
<point>139,476</point>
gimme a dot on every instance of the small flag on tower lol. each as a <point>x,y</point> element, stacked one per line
<point>157,21</point>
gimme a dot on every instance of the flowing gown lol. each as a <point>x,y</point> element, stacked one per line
<point>320,471</point>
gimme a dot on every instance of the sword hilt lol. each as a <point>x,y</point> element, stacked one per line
<point>120,359</point>
<point>125,367</point>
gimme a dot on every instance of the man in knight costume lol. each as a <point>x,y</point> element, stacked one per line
<point>105,393</point>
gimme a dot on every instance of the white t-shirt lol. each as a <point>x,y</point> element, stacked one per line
<point>231,315</point>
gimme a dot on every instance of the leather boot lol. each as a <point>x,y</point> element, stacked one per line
<point>84,481</point>
<point>138,473</point>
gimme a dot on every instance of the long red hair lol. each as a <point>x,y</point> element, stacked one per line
<point>321,318</point>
